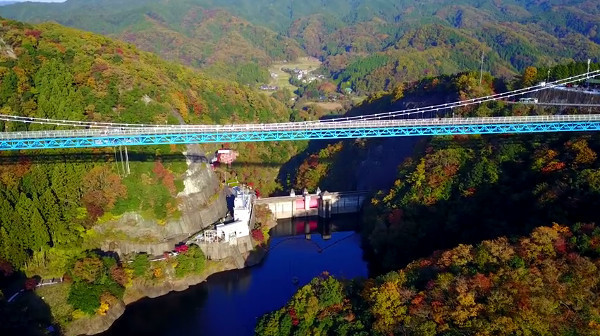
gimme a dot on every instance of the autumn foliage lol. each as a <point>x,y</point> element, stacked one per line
<point>97,283</point>
<point>6,269</point>
<point>258,236</point>
<point>30,284</point>
<point>166,176</point>
<point>541,284</point>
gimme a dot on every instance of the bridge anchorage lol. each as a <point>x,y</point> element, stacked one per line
<point>409,122</point>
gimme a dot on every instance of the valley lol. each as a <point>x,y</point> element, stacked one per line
<point>468,229</point>
<point>281,78</point>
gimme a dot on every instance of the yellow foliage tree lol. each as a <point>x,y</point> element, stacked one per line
<point>103,308</point>
<point>529,76</point>
<point>398,92</point>
<point>179,102</point>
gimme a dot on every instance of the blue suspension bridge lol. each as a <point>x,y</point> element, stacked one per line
<point>409,122</point>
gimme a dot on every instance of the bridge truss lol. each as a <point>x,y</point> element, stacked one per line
<point>387,124</point>
<point>297,131</point>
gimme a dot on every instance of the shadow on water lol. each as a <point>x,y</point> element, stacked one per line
<point>230,303</point>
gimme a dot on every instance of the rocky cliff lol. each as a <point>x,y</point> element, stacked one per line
<point>570,95</point>
<point>140,289</point>
<point>202,202</point>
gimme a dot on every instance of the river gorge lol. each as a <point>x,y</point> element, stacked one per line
<point>231,302</point>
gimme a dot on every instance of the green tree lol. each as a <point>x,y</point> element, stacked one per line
<point>33,221</point>
<point>57,97</point>
<point>58,227</point>
<point>140,265</point>
<point>85,297</point>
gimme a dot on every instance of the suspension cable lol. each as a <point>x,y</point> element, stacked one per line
<point>383,115</point>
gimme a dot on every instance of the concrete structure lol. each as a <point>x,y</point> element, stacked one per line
<point>324,204</point>
<point>242,209</point>
<point>230,239</point>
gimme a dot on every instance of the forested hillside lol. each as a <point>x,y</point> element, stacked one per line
<point>542,284</point>
<point>491,202</point>
<point>367,46</point>
<point>345,165</point>
<point>50,71</point>
<point>224,45</point>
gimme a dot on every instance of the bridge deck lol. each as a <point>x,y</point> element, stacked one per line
<point>183,134</point>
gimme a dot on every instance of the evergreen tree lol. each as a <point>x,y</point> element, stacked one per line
<point>8,86</point>
<point>36,182</point>
<point>51,213</point>
<point>57,97</point>
<point>33,221</point>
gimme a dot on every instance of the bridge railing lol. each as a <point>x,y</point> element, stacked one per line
<point>300,126</point>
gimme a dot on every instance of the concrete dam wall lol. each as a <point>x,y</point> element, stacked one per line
<point>323,205</point>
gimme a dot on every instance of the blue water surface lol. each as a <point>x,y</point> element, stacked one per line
<point>230,303</point>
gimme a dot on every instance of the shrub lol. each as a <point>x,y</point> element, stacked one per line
<point>140,265</point>
<point>191,262</point>
<point>85,297</point>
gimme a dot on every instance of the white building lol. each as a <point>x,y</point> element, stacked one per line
<point>242,210</point>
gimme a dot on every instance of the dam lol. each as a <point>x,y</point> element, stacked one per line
<point>322,204</point>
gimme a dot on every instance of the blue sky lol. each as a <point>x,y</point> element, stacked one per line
<point>40,0</point>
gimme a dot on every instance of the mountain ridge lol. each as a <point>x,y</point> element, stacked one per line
<point>513,34</point>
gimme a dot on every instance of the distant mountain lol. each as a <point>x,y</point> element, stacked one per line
<point>215,40</point>
<point>225,44</point>
<point>4,3</point>
<point>410,39</point>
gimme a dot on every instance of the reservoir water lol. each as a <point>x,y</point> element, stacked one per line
<point>230,303</point>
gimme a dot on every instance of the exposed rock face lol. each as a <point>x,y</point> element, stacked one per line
<point>202,202</point>
<point>96,324</point>
<point>139,290</point>
<point>571,96</point>
<point>246,256</point>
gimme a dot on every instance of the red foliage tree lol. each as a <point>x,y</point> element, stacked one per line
<point>395,217</point>
<point>30,284</point>
<point>33,32</point>
<point>101,189</point>
<point>258,236</point>
<point>119,275</point>
<point>560,245</point>
<point>553,166</point>
<point>6,268</point>
<point>181,248</point>
<point>94,203</point>
<point>294,317</point>
<point>159,169</point>
<point>482,282</point>
<point>165,176</point>
<point>67,278</point>
<point>169,182</point>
